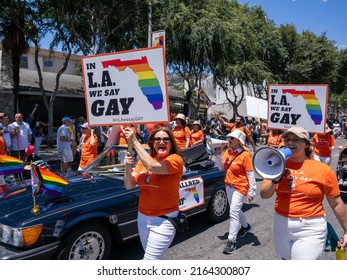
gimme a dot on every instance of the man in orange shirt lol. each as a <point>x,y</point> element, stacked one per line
<point>239,124</point>
<point>323,146</point>
<point>89,146</point>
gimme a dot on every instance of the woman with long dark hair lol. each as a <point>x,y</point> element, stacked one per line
<point>158,174</point>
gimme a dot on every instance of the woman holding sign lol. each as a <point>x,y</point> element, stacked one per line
<point>158,174</point>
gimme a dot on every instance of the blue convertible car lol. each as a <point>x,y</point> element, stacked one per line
<point>94,213</point>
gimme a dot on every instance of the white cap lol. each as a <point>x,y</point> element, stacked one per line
<point>239,135</point>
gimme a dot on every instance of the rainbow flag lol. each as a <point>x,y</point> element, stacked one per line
<point>10,165</point>
<point>45,181</point>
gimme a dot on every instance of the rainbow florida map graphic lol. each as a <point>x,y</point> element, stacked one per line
<point>312,104</point>
<point>303,105</point>
<point>147,80</point>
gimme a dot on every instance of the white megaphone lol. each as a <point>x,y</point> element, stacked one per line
<point>213,143</point>
<point>269,163</point>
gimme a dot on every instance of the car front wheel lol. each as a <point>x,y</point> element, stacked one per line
<point>218,206</point>
<point>86,242</point>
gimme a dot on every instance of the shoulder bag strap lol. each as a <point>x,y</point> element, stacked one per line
<point>234,159</point>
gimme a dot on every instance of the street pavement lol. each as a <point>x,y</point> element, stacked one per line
<point>206,241</point>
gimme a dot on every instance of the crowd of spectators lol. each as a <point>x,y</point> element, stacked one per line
<point>187,132</point>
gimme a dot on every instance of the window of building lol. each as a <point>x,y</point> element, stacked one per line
<point>24,62</point>
<point>47,63</point>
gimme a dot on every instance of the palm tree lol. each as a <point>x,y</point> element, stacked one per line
<point>14,42</point>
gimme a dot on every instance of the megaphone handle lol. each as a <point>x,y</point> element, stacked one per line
<point>286,171</point>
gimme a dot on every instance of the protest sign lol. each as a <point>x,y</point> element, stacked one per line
<point>158,38</point>
<point>297,105</point>
<point>126,87</point>
<point>256,107</point>
<point>191,193</point>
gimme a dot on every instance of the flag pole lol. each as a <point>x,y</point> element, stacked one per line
<point>36,208</point>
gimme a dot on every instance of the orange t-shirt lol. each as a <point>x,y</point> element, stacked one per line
<point>236,174</point>
<point>245,130</point>
<point>300,194</point>
<point>151,126</point>
<point>274,140</point>
<point>196,136</point>
<point>88,151</point>
<point>322,144</point>
<point>122,139</point>
<point>159,193</point>
<point>2,145</point>
<point>181,134</point>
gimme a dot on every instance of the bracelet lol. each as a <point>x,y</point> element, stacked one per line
<point>276,182</point>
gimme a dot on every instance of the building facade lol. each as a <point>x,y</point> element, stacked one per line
<point>70,98</point>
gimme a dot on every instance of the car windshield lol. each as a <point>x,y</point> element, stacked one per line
<point>110,161</point>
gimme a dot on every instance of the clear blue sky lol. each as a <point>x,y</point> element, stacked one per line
<point>317,16</point>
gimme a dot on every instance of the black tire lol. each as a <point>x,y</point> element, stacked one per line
<point>218,207</point>
<point>89,241</point>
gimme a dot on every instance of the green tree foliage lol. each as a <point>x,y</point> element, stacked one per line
<point>103,26</point>
<point>237,44</point>
<point>313,60</point>
<point>247,51</point>
<point>12,22</point>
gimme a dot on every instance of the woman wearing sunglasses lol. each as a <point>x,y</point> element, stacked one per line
<point>300,226</point>
<point>240,185</point>
<point>158,174</point>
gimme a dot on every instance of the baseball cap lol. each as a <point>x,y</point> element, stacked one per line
<point>298,131</point>
<point>239,135</point>
<point>85,125</point>
<point>66,119</point>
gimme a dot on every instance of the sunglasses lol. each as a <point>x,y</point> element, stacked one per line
<point>157,140</point>
<point>231,138</point>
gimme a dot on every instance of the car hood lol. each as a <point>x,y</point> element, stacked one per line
<point>17,204</point>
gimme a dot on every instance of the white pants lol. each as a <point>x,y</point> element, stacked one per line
<point>300,238</point>
<point>156,235</point>
<point>237,216</point>
<point>325,160</point>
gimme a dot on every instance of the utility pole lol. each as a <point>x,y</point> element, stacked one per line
<point>149,23</point>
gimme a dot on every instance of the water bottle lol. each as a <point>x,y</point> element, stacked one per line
<point>340,253</point>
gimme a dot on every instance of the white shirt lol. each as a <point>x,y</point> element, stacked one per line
<point>63,130</point>
<point>21,141</point>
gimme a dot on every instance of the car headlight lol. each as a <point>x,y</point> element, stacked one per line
<point>19,237</point>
